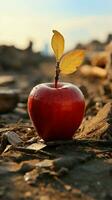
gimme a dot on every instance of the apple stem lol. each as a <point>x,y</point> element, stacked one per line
<point>57,73</point>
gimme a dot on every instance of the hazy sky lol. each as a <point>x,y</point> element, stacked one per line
<point>77,20</point>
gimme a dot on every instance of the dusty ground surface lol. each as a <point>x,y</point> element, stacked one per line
<point>76,169</point>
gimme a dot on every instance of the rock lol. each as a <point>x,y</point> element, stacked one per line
<point>12,58</point>
<point>9,137</point>
<point>8,100</point>
<point>100,126</point>
<point>25,167</point>
<point>12,138</point>
<point>70,161</point>
<point>93,71</point>
<point>6,80</point>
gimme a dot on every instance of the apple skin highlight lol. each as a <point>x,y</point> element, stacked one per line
<point>56,112</point>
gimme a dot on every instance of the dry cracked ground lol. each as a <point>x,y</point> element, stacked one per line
<point>79,169</point>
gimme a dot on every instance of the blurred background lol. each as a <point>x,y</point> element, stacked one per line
<point>26,57</point>
<point>78,20</point>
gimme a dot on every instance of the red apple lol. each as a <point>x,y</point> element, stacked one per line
<point>56,112</point>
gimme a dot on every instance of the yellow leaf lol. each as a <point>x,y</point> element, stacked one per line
<point>71,61</point>
<point>57,44</point>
